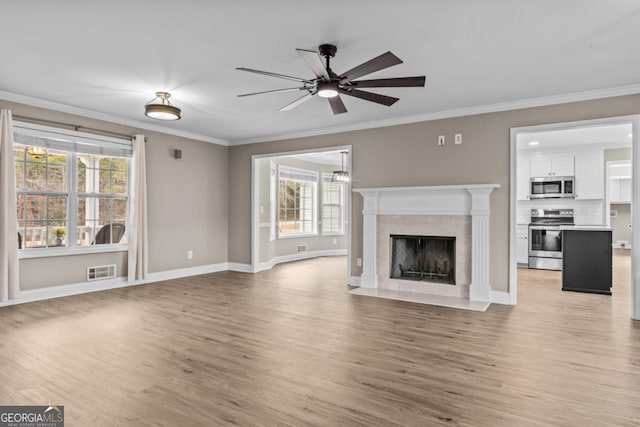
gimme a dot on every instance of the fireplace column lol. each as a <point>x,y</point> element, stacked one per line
<point>480,289</point>
<point>369,278</point>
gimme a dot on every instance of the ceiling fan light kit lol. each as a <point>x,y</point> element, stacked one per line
<point>330,85</point>
<point>160,108</point>
<point>327,89</point>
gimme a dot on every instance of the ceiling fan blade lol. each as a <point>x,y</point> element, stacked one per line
<point>337,105</point>
<point>281,76</point>
<point>370,96</point>
<point>395,82</point>
<point>314,61</point>
<point>378,63</point>
<point>297,102</point>
<point>272,91</point>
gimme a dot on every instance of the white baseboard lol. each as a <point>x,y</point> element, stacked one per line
<point>500,297</point>
<point>354,281</point>
<point>239,267</point>
<point>52,292</point>
<point>186,272</point>
<point>297,257</point>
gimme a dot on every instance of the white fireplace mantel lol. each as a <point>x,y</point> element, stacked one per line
<point>472,199</point>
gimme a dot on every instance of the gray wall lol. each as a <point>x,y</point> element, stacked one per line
<point>407,155</point>
<point>287,246</point>
<point>188,207</point>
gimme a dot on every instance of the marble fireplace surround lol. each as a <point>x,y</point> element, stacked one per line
<point>414,210</point>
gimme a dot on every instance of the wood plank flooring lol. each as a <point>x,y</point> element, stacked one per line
<point>289,347</point>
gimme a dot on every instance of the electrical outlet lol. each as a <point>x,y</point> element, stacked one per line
<point>359,262</point>
<point>441,140</point>
<point>189,254</point>
<point>458,138</point>
<point>261,209</point>
<point>335,241</point>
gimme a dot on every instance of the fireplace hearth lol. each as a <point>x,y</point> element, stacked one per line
<point>423,258</point>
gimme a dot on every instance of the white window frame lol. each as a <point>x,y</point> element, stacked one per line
<point>313,179</point>
<point>326,179</point>
<point>72,143</point>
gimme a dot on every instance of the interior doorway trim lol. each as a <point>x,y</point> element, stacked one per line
<point>255,200</point>
<point>634,120</point>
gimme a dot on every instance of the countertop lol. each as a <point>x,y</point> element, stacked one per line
<point>600,227</point>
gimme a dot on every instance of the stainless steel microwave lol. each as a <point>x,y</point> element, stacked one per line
<point>552,187</point>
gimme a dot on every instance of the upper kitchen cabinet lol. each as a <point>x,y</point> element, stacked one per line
<point>551,165</point>
<point>523,177</point>
<point>589,175</point>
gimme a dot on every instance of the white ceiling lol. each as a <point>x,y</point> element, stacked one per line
<point>107,59</point>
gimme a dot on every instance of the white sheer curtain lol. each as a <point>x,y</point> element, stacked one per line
<point>138,245</point>
<point>9,279</point>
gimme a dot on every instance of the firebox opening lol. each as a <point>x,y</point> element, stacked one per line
<point>423,258</point>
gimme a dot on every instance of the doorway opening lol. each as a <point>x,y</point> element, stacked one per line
<point>301,206</point>
<point>570,177</point>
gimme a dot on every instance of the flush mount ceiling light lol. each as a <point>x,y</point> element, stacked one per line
<point>342,175</point>
<point>161,109</point>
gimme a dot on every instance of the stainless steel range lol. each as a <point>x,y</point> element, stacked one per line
<point>545,237</point>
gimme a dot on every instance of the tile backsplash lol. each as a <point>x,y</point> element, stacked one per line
<point>585,212</point>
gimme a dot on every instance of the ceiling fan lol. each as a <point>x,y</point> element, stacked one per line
<point>330,85</point>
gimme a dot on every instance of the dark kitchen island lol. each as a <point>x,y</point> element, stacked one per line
<point>586,259</point>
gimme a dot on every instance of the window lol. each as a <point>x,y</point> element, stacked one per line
<point>332,206</point>
<point>297,202</point>
<point>72,191</point>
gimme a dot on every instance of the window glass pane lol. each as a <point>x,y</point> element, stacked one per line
<point>82,176</point>
<point>19,175</point>
<point>35,234</point>
<point>20,204</point>
<point>104,180</point>
<point>57,208</point>
<point>86,233</point>
<point>118,164</point>
<point>119,182</point>
<point>36,154</point>
<point>104,163</point>
<point>36,207</point>
<point>18,152</point>
<point>86,209</point>
<point>56,157</point>
<point>36,176</point>
<point>21,233</point>
<point>103,235</point>
<point>119,210</point>
<point>57,178</point>
<point>104,209</point>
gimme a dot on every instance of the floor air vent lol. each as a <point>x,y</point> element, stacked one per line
<point>101,272</point>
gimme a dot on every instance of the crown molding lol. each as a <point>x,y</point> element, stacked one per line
<point>447,114</point>
<point>63,108</point>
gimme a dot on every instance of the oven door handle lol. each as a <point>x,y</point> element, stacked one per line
<point>544,227</point>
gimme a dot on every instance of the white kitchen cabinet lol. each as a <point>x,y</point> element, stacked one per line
<point>589,175</point>
<point>620,190</point>
<point>522,238</point>
<point>551,165</point>
<point>523,176</point>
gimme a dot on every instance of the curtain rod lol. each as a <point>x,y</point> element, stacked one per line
<point>74,127</point>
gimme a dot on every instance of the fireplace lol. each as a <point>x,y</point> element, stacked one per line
<point>423,258</point>
<point>460,211</point>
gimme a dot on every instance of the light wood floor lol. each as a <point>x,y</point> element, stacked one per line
<point>291,347</point>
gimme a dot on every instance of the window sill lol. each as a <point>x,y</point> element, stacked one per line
<point>53,252</point>
<point>334,233</point>
<point>297,236</point>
